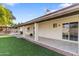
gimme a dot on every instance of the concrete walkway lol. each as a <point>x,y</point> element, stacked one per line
<point>60,44</point>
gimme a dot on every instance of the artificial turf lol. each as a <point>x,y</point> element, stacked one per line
<point>12,46</point>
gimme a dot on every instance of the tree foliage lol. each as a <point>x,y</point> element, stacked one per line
<point>6,16</point>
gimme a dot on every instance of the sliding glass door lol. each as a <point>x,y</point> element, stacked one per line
<point>74,31</point>
<point>70,31</point>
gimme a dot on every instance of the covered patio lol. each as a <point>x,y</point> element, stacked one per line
<point>57,31</point>
<point>61,46</point>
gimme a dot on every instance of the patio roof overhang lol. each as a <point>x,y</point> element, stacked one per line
<point>68,11</point>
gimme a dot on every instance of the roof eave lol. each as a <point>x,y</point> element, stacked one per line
<point>64,11</point>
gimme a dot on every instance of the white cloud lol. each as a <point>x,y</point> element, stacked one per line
<point>65,4</point>
<point>7,4</point>
<point>10,4</point>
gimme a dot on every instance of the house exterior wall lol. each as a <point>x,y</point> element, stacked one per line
<point>45,29</point>
<point>26,31</point>
<point>13,30</point>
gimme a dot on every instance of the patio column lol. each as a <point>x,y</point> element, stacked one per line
<point>36,31</point>
<point>23,30</point>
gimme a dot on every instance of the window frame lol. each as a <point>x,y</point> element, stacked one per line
<point>70,33</point>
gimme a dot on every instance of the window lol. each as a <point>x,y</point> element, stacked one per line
<point>74,31</point>
<point>54,25</point>
<point>28,29</point>
<point>70,31</point>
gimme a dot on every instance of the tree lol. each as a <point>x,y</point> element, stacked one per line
<point>6,16</point>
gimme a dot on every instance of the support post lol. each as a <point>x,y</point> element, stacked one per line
<point>23,30</point>
<point>36,31</point>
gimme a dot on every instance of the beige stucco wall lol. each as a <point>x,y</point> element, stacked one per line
<point>14,30</point>
<point>25,31</point>
<point>45,29</point>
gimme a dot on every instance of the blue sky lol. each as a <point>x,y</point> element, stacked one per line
<point>28,11</point>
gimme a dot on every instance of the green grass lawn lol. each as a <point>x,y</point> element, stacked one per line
<point>12,46</point>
